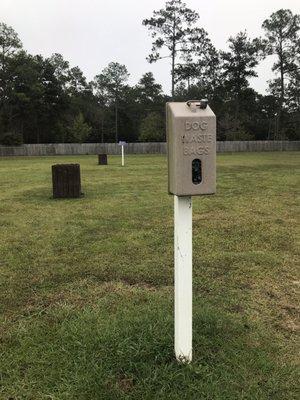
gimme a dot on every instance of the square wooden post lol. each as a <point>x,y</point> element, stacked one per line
<point>102,159</point>
<point>66,181</point>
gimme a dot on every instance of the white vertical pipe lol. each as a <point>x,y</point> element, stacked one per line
<point>123,155</point>
<point>183,277</point>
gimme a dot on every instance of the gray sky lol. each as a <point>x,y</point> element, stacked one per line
<point>91,33</point>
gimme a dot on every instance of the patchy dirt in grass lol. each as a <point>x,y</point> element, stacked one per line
<point>85,293</point>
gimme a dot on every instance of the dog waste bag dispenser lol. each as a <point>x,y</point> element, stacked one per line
<point>191,136</point>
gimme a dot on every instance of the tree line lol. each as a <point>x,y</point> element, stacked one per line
<point>45,100</point>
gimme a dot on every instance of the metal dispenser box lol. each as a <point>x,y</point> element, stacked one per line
<point>191,137</point>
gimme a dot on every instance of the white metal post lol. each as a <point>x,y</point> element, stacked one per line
<point>123,155</point>
<point>183,277</point>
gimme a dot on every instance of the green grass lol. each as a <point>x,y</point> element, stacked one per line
<point>86,291</point>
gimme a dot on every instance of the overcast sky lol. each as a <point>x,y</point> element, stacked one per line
<point>91,33</point>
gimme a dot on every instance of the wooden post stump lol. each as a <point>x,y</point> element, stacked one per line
<point>66,181</point>
<point>102,159</point>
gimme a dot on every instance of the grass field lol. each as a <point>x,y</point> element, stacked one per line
<point>87,284</point>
